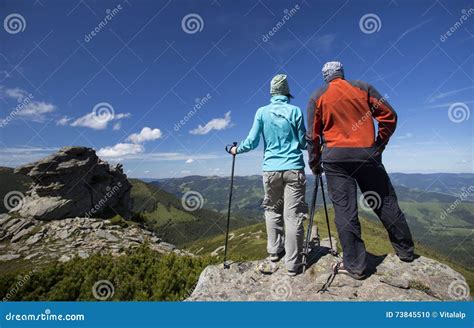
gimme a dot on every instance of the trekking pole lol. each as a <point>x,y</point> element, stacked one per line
<point>310,224</point>
<point>228,148</point>
<point>332,250</point>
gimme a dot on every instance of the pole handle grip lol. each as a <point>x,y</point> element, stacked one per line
<point>229,147</point>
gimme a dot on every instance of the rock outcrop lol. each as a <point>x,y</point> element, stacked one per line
<point>36,241</point>
<point>74,182</point>
<point>391,280</point>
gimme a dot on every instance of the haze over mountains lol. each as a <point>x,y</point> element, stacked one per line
<point>439,209</point>
<point>442,219</point>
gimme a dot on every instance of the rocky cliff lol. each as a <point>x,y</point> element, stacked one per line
<point>76,205</point>
<point>38,241</point>
<point>74,182</point>
<point>391,280</point>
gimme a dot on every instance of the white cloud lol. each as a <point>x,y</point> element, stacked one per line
<point>214,124</point>
<point>407,135</point>
<point>117,126</point>
<point>63,121</point>
<point>159,156</point>
<point>36,110</point>
<point>146,134</point>
<point>15,93</point>
<point>121,115</point>
<point>448,93</point>
<point>189,161</point>
<point>120,150</point>
<point>26,108</point>
<point>325,42</point>
<point>97,122</point>
<point>16,156</point>
<point>446,105</point>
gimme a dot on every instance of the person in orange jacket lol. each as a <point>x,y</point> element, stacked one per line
<point>341,118</point>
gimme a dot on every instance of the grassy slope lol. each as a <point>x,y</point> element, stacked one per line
<point>450,235</point>
<point>141,275</point>
<point>251,245</point>
<point>164,213</point>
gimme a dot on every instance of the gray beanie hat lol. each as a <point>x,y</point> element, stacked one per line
<point>279,86</point>
<point>332,69</point>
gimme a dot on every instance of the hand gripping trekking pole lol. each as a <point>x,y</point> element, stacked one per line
<point>227,149</point>
<point>332,250</point>
<point>310,224</point>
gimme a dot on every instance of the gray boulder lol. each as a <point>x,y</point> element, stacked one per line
<point>75,182</point>
<point>392,280</point>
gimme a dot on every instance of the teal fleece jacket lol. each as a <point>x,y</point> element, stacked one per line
<point>282,127</point>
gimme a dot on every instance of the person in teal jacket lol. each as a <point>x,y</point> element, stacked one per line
<point>281,125</point>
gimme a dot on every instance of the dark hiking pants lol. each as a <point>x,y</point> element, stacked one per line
<point>378,195</point>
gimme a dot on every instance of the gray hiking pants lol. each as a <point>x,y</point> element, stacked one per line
<point>285,210</point>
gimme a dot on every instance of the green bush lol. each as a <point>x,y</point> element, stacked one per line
<point>141,275</point>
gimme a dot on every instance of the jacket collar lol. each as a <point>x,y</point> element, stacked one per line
<point>279,98</point>
<point>336,75</point>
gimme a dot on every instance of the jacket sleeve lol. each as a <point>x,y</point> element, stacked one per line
<point>301,129</point>
<point>252,140</point>
<point>385,116</point>
<point>313,135</point>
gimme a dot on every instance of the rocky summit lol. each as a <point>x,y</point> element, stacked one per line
<point>74,182</point>
<point>38,241</point>
<point>391,280</point>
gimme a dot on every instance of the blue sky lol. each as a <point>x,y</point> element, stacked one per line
<point>152,65</point>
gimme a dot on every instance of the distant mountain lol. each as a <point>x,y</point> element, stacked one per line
<point>247,194</point>
<point>438,220</point>
<point>447,183</point>
<point>173,220</point>
<point>248,191</point>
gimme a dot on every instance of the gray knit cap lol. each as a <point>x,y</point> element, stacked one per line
<point>279,86</point>
<point>331,69</point>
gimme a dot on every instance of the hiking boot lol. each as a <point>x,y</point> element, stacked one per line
<point>407,259</point>
<point>275,257</point>
<point>339,268</point>
<point>293,273</point>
